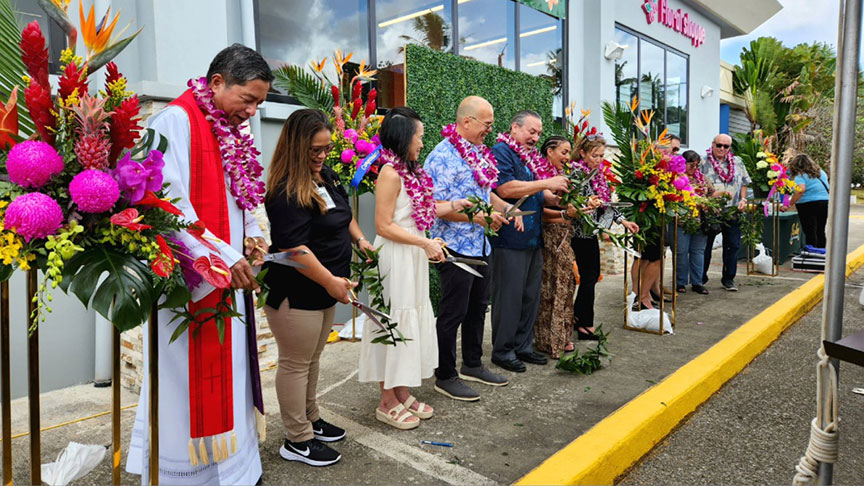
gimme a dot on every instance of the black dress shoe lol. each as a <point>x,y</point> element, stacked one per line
<point>533,358</point>
<point>513,365</point>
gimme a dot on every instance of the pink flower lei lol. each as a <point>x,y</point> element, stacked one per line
<point>725,175</point>
<point>238,152</point>
<point>481,160</point>
<point>599,183</point>
<point>700,182</point>
<point>536,163</point>
<point>418,186</point>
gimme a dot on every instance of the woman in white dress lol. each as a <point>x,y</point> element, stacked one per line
<point>404,209</point>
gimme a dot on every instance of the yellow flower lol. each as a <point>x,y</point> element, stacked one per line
<point>318,66</point>
<point>62,4</point>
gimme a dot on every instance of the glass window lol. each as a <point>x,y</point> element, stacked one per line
<point>296,33</point>
<point>27,11</point>
<point>652,79</point>
<point>659,75</point>
<point>626,68</point>
<point>487,29</point>
<point>676,94</point>
<point>540,45</point>
<point>401,22</point>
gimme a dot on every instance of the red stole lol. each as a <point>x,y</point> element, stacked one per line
<point>211,404</point>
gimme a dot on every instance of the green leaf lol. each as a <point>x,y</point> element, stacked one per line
<point>12,67</point>
<point>177,297</point>
<point>128,284</point>
<point>105,56</point>
<point>308,90</point>
<point>6,272</point>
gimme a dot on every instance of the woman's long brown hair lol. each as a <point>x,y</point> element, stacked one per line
<point>290,165</point>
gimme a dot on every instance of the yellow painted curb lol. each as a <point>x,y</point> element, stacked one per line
<point>611,447</point>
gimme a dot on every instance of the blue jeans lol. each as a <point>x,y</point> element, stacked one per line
<point>691,257</point>
<point>731,245</point>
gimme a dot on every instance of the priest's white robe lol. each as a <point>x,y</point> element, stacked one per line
<point>243,467</point>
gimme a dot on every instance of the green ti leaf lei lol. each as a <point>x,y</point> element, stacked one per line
<point>366,273</point>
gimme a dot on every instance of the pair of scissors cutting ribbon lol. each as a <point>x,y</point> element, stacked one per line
<point>371,313</point>
<point>460,262</point>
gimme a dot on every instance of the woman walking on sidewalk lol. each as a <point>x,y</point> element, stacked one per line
<point>811,198</point>
<point>308,210</point>
<point>405,208</point>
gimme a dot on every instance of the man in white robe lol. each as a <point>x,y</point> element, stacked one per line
<point>239,79</point>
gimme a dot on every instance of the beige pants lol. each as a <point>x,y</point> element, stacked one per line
<point>300,336</point>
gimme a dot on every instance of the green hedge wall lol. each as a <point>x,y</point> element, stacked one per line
<point>438,81</point>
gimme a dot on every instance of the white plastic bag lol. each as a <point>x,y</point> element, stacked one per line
<point>861,297</point>
<point>73,463</point>
<point>718,242</point>
<point>648,319</point>
<point>762,262</point>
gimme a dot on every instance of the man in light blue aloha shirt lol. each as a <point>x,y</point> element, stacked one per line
<point>464,297</point>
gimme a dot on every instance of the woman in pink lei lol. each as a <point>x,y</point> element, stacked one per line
<point>404,209</point>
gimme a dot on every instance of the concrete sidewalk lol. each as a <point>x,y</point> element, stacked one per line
<point>507,433</point>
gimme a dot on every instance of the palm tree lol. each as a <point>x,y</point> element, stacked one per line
<point>554,70</point>
<point>434,31</point>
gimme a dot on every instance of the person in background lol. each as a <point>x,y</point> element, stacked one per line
<point>691,247</point>
<point>308,210</point>
<point>554,325</point>
<point>811,198</point>
<point>405,208</point>
<point>727,174</point>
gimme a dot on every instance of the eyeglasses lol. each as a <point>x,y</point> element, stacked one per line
<point>722,145</point>
<point>316,151</point>
<point>488,125</point>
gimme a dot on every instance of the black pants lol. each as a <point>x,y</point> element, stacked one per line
<point>587,254</point>
<point>731,245</point>
<point>516,279</point>
<point>813,216</point>
<point>464,300</point>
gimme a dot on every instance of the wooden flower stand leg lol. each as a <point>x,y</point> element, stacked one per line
<point>356,208</point>
<point>5,384</point>
<point>115,407</point>
<point>33,382</point>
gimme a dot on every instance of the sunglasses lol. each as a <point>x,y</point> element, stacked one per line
<point>675,150</point>
<point>316,151</point>
<point>722,145</point>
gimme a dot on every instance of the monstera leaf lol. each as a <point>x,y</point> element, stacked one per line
<point>128,284</point>
<point>305,87</point>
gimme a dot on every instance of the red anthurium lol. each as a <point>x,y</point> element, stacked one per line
<point>150,199</point>
<point>214,270</point>
<point>197,230</point>
<point>163,264</point>
<point>129,218</point>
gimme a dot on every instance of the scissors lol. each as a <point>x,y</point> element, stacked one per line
<point>514,209</point>
<point>587,179</point>
<point>284,258</point>
<point>621,204</point>
<point>461,262</point>
<point>371,313</point>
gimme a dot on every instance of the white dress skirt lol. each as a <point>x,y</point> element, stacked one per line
<point>405,272</point>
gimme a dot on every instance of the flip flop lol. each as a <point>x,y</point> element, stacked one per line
<point>419,413</point>
<point>570,346</point>
<point>396,417</point>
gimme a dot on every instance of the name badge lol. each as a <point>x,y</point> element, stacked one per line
<point>322,191</point>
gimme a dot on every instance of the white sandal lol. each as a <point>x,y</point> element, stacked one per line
<point>396,418</point>
<point>420,408</point>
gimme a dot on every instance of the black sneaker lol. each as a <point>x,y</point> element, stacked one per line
<point>327,432</point>
<point>731,287</point>
<point>312,452</point>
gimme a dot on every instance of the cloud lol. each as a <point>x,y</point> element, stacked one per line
<point>799,21</point>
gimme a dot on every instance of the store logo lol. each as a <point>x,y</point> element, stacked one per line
<point>674,19</point>
<point>650,9</point>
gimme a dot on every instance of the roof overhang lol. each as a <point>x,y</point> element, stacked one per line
<point>737,17</point>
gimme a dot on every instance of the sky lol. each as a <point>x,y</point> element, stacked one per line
<point>799,21</point>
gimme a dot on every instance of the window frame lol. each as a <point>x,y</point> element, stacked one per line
<point>372,39</point>
<point>666,49</point>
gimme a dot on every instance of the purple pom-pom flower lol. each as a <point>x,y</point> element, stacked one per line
<point>34,215</point>
<point>347,155</point>
<point>682,183</point>
<point>364,147</point>
<point>351,135</point>
<point>33,163</point>
<point>94,191</point>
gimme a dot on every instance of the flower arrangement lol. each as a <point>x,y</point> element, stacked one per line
<point>779,182</point>
<point>83,197</point>
<point>652,179</point>
<point>355,124</point>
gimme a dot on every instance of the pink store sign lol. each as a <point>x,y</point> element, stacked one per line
<point>659,10</point>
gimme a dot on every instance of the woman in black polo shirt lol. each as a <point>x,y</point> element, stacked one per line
<point>308,210</point>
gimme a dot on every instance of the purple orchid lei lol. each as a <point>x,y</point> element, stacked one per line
<point>599,183</point>
<point>237,150</point>
<point>700,182</point>
<point>725,175</point>
<point>481,160</point>
<point>418,186</point>
<point>536,163</point>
